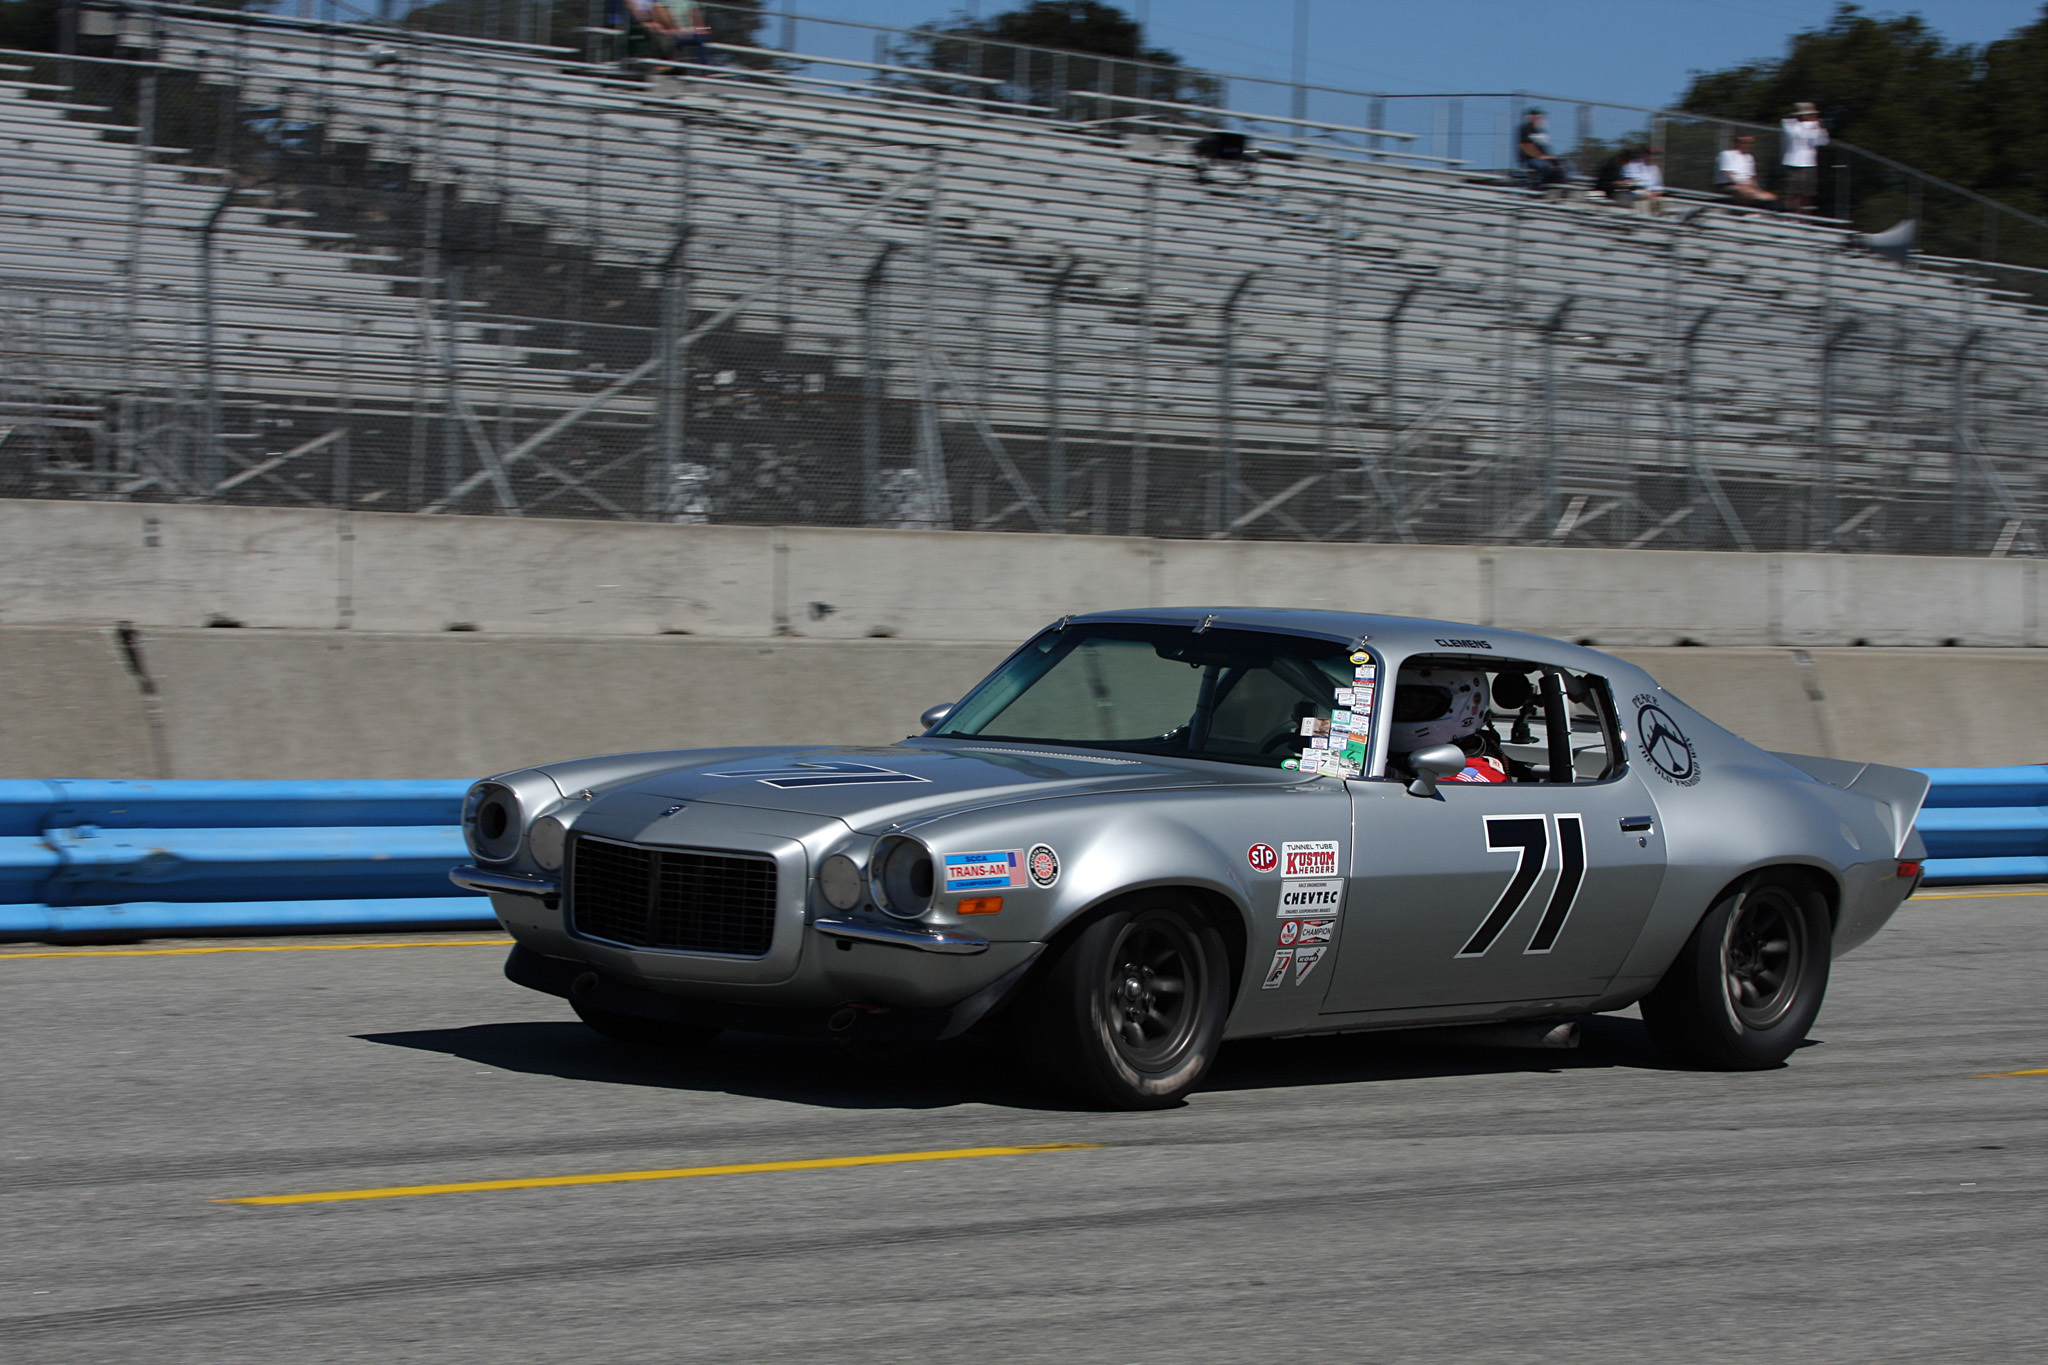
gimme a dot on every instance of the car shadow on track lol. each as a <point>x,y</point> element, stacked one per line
<point>988,1070</point>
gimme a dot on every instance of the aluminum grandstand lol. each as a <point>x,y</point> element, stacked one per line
<point>250,258</point>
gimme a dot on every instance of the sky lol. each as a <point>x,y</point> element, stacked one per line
<point>1616,51</point>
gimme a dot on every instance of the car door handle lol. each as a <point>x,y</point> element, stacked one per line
<point>1636,824</point>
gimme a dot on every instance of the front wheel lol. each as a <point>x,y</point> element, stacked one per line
<point>1748,983</point>
<point>637,1031</point>
<point>1131,1011</point>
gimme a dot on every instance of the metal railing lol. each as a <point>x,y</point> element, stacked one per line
<point>346,265</point>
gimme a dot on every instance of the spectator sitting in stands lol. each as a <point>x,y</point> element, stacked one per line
<point>1542,169</point>
<point>1735,175</point>
<point>667,36</point>
<point>1642,182</point>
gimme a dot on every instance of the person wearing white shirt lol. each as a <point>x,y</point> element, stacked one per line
<point>1643,180</point>
<point>1735,174</point>
<point>1805,135</point>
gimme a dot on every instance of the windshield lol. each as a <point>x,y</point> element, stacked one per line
<point>1235,696</point>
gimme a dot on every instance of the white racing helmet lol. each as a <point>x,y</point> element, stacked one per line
<point>1437,706</point>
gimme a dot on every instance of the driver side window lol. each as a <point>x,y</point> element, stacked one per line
<point>1541,723</point>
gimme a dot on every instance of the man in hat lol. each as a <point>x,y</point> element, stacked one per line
<point>1805,135</point>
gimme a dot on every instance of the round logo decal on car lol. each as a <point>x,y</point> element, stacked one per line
<point>1043,864</point>
<point>1664,744</point>
<point>1262,857</point>
<point>1289,931</point>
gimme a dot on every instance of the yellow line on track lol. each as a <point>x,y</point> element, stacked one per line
<point>269,948</point>
<point>682,1173</point>
<point>1973,895</point>
<point>1999,1075</point>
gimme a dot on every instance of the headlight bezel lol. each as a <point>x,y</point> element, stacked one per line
<point>902,876</point>
<point>493,822</point>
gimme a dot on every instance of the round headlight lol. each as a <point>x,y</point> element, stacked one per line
<point>902,875</point>
<point>490,821</point>
<point>546,840</point>
<point>839,882</point>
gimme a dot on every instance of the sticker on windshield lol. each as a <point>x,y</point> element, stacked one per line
<point>1276,975</point>
<point>1315,858</point>
<point>1305,960</point>
<point>821,774</point>
<point>1322,896</point>
<point>984,871</point>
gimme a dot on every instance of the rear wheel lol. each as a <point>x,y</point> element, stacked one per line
<point>637,1031</point>
<point>1748,983</point>
<point>1130,1013</point>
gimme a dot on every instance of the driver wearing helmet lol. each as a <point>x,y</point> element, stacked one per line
<point>1441,705</point>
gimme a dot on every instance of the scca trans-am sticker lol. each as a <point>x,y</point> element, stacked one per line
<point>994,871</point>
<point>1664,745</point>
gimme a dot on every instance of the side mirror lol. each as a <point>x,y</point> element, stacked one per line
<point>1432,765</point>
<point>934,714</point>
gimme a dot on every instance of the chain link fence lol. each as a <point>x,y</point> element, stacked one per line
<point>343,265</point>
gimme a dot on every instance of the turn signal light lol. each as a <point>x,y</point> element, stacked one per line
<point>980,905</point>
<point>1907,869</point>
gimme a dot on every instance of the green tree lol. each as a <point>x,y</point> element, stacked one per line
<point>29,25</point>
<point>1074,36</point>
<point>2014,127</point>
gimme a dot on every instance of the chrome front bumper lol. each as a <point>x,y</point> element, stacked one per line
<point>472,878</point>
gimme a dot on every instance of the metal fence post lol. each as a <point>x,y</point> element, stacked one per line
<point>871,385</point>
<point>1231,494</point>
<point>931,448</point>
<point>1959,434</point>
<point>1552,326</point>
<point>131,330</point>
<point>210,469</point>
<point>1141,387</point>
<point>1055,374</point>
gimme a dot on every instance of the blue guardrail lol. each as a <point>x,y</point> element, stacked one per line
<point>120,859</point>
<point>131,859</point>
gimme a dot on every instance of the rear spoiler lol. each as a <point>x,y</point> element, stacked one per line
<point>1899,790</point>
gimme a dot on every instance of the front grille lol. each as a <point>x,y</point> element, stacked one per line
<point>672,898</point>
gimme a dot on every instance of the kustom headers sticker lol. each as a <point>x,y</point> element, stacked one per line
<point>1305,960</point>
<point>984,871</point>
<point>1311,858</point>
<point>1664,744</point>
<point>1289,931</point>
<point>1262,857</point>
<point>1043,864</point>
<point>1306,896</point>
<point>1276,975</point>
<point>1318,930</point>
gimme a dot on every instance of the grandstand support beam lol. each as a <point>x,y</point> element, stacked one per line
<point>871,385</point>
<point>1552,327</point>
<point>209,472</point>
<point>1959,437</point>
<point>525,449</point>
<point>1055,372</point>
<point>128,451</point>
<point>662,502</point>
<point>1390,328</point>
<point>1333,310</point>
<point>1231,495</point>
<point>1707,481</point>
<point>931,451</point>
<point>1825,514</point>
<point>990,442</point>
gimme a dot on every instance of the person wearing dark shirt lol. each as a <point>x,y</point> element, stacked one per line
<point>1541,166</point>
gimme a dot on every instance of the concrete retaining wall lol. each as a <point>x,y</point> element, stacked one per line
<point>157,565</point>
<point>360,704</point>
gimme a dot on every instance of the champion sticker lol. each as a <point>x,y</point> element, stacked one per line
<point>1262,857</point>
<point>1043,865</point>
<point>1276,975</point>
<point>984,871</point>
<point>798,775</point>
<point>1289,931</point>
<point>1315,858</point>
<point>1322,896</point>
<point>1318,930</point>
<point>1305,960</point>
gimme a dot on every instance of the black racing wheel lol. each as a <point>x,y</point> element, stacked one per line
<point>1749,982</point>
<point>1129,1013</point>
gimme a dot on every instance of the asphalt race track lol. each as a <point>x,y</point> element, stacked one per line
<point>1355,1199</point>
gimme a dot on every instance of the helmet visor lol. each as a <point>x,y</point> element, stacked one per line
<point>1418,702</point>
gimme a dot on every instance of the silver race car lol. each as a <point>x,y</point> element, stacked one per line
<point>1150,831</point>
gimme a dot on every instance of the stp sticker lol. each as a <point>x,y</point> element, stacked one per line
<point>1315,931</point>
<point>1043,864</point>
<point>1276,975</point>
<point>1305,960</point>
<point>1316,896</point>
<point>984,871</point>
<point>1262,857</point>
<point>1289,932</point>
<point>1314,858</point>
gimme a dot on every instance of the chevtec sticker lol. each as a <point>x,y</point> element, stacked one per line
<point>1320,896</point>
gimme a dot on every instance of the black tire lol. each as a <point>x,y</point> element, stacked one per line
<point>636,1031</point>
<point>1749,982</point>
<point>1130,1012</point>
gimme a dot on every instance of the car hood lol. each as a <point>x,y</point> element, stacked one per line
<point>875,788</point>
